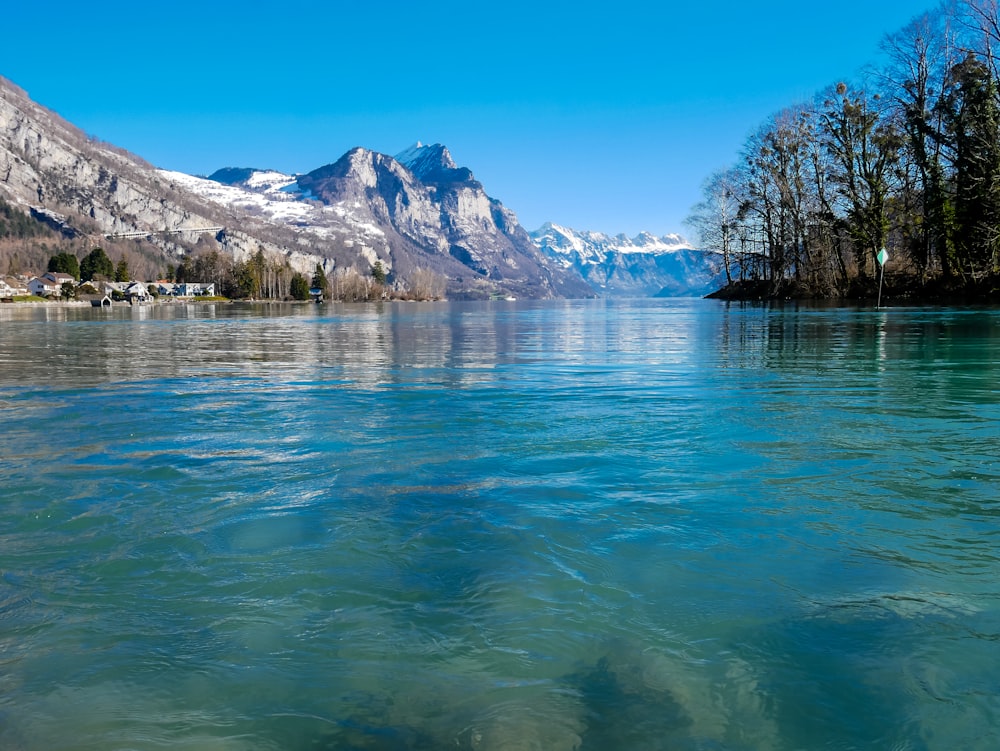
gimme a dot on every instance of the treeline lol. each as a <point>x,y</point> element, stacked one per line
<point>261,277</point>
<point>907,159</point>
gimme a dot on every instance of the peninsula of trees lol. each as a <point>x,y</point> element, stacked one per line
<point>906,160</point>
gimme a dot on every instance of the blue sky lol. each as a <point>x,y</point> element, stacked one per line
<point>596,116</point>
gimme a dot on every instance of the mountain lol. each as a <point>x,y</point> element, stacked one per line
<point>85,192</point>
<point>643,266</point>
<point>417,210</point>
<point>417,213</point>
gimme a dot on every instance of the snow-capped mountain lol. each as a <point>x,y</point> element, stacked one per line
<point>419,216</point>
<point>418,210</point>
<point>641,266</point>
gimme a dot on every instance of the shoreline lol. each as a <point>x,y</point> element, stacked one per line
<point>897,289</point>
<point>116,303</point>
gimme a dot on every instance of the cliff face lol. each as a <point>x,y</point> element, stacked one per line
<point>93,192</point>
<point>435,215</point>
<point>365,207</point>
<point>47,163</point>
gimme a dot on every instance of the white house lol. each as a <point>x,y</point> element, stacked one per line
<point>59,278</point>
<point>136,291</point>
<point>42,286</point>
<point>194,289</point>
<point>12,286</point>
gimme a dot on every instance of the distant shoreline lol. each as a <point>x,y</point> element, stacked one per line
<point>118,303</point>
<point>896,289</point>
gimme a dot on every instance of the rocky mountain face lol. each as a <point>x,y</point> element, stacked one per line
<point>433,213</point>
<point>416,213</point>
<point>92,193</point>
<point>422,213</point>
<point>643,266</point>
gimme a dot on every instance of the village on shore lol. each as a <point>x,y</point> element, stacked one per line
<point>55,286</point>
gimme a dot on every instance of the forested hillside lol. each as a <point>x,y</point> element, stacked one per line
<point>25,242</point>
<point>907,158</point>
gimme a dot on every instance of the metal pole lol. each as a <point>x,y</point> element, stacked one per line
<point>878,303</point>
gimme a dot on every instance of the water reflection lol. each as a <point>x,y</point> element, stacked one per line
<point>651,524</point>
<point>368,346</point>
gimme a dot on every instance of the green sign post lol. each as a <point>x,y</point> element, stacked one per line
<point>881,257</point>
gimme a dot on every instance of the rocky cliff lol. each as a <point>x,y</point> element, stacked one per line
<point>435,214</point>
<point>94,193</point>
<point>422,213</point>
<point>415,213</point>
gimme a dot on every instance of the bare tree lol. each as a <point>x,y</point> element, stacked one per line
<point>714,219</point>
<point>427,285</point>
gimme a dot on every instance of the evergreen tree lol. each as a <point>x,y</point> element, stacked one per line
<point>243,282</point>
<point>18,225</point>
<point>319,280</point>
<point>378,272</point>
<point>65,263</point>
<point>96,264</point>
<point>299,287</point>
<point>121,271</point>
<point>975,123</point>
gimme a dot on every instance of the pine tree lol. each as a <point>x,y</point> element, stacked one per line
<point>121,271</point>
<point>96,264</point>
<point>299,287</point>
<point>319,280</point>
<point>65,263</point>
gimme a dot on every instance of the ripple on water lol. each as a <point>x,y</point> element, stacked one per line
<point>579,526</point>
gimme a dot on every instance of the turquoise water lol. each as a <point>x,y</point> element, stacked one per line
<point>568,525</point>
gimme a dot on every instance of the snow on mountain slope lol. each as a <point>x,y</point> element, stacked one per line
<point>644,265</point>
<point>593,245</point>
<point>421,213</point>
<point>276,197</point>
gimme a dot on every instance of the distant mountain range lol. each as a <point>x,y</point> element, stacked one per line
<point>642,266</point>
<point>416,211</point>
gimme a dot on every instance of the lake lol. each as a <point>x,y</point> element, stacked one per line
<point>621,525</point>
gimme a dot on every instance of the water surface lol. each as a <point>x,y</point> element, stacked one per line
<point>566,525</point>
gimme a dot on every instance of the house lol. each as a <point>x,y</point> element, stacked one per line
<point>50,283</point>
<point>42,286</point>
<point>137,292</point>
<point>11,286</point>
<point>109,288</point>
<point>166,288</point>
<point>59,278</point>
<point>195,289</point>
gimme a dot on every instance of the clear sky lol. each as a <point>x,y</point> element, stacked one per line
<point>602,116</point>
